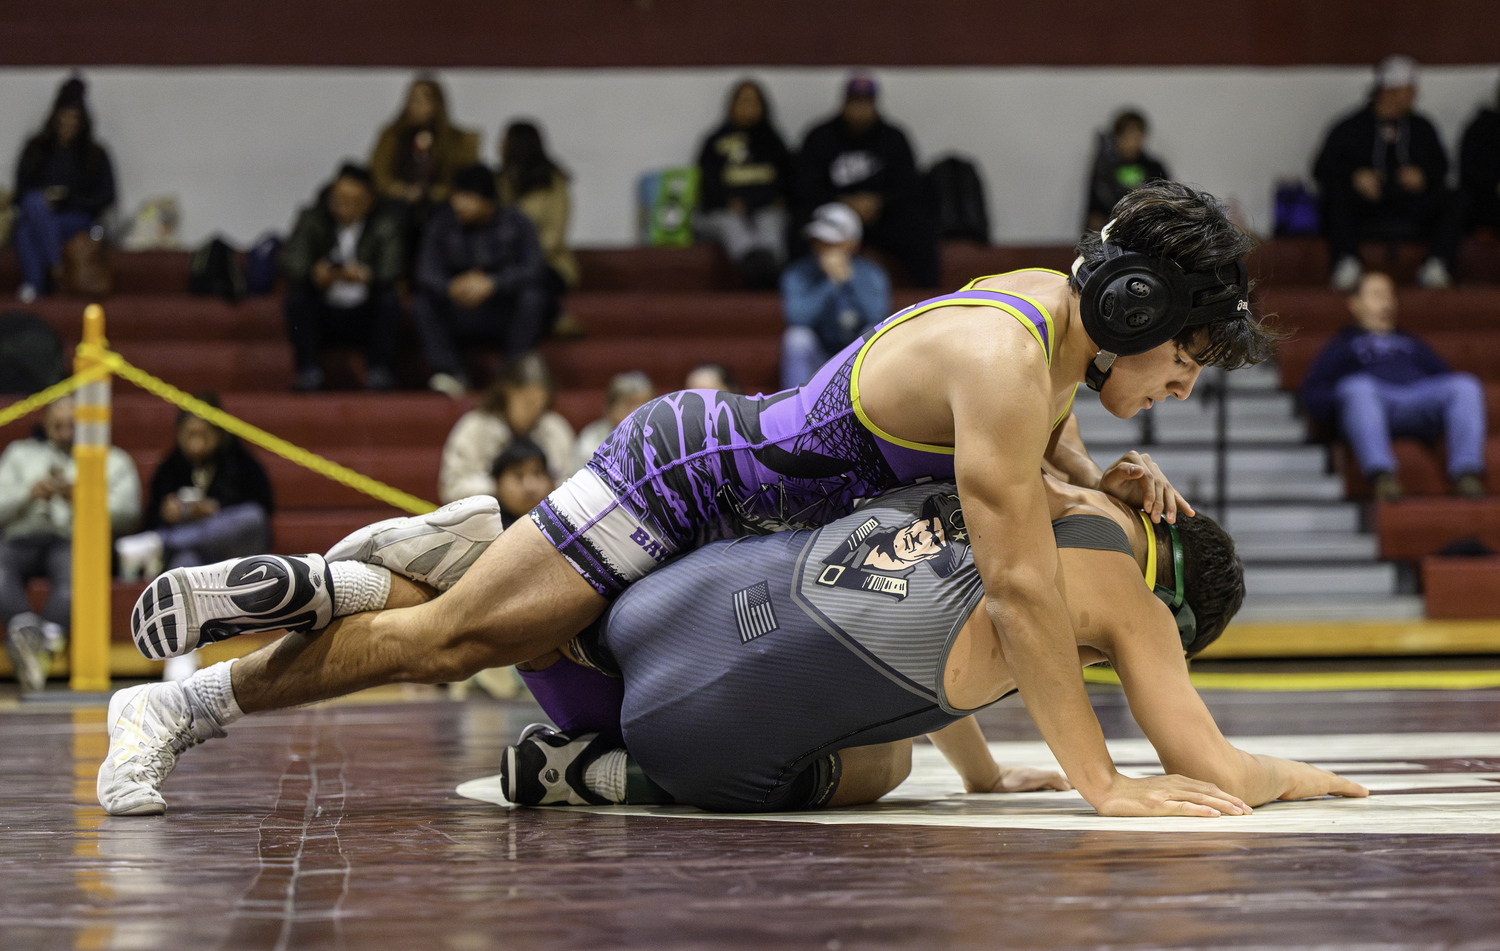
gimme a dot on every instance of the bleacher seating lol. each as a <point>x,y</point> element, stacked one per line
<point>664,310</point>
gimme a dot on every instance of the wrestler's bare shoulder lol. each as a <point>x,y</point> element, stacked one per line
<point>1046,287</point>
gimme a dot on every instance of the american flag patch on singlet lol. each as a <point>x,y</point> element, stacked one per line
<point>753,612</point>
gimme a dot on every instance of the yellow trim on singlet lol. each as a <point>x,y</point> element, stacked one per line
<point>1150,551</point>
<point>859,358</point>
<point>1067,409</point>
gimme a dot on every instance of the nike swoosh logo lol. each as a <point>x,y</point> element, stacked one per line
<point>251,576</point>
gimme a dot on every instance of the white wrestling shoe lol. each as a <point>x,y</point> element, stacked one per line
<point>435,549</point>
<point>149,727</point>
<point>189,607</point>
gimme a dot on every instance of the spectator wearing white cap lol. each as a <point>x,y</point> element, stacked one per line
<point>1383,174</point>
<point>829,297</point>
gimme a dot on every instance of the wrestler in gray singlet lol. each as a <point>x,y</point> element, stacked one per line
<point>751,663</point>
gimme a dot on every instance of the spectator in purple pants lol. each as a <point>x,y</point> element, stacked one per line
<point>63,181</point>
<point>1373,382</point>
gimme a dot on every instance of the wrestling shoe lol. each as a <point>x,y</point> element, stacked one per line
<point>30,656</point>
<point>189,607</point>
<point>545,768</point>
<point>435,549</point>
<point>149,727</point>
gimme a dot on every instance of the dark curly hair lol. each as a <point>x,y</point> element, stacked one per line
<point>1212,573</point>
<point>1191,228</point>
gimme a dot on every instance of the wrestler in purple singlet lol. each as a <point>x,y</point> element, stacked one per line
<point>698,465</point>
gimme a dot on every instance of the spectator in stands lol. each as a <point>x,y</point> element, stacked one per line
<point>530,181</point>
<point>521,479</point>
<point>64,181</point>
<point>480,280</point>
<point>1479,168</point>
<point>711,376</point>
<point>1373,382</point>
<point>627,393</point>
<point>518,403</point>
<point>36,528</point>
<point>417,155</point>
<point>830,296</point>
<point>745,174</point>
<point>1121,166</point>
<point>1383,173</point>
<point>209,500</point>
<point>865,162</point>
<point>342,263</point>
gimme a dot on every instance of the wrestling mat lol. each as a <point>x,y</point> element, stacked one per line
<point>1420,783</point>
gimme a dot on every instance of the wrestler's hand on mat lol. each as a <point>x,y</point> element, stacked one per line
<point>1136,479</point>
<point>1308,781</point>
<point>1026,779</point>
<point>1167,796</point>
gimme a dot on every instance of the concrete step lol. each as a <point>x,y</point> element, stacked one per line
<point>1321,580</point>
<point>1400,607</point>
<point>1250,519</point>
<point>1262,547</point>
<point>1292,461</point>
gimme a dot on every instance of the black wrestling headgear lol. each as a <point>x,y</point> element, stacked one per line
<point>1132,303</point>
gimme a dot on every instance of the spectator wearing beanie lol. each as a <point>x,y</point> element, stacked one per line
<point>480,280</point>
<point>860,159</point>
<point>64,181</point>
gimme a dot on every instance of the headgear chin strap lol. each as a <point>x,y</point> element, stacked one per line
<point>1131,303</point>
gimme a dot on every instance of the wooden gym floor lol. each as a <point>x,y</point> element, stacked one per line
<point>338,827</point>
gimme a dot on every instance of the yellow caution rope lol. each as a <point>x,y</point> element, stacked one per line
<point>52,393</point>
<point>254,434</point>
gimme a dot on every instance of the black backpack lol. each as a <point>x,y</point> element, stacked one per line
<point>32,356</point>
<point>957,198</point>
<point>215,271</point>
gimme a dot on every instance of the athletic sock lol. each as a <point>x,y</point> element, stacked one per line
<point>358,587</point>
<point>605,776</point>
<point>212,694</point>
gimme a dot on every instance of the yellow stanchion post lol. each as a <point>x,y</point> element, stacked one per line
<point>89,637</point>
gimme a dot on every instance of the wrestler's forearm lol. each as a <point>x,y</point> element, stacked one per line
<point>962,745</point>
<point>1036,639</point>
<point>1067,454</point>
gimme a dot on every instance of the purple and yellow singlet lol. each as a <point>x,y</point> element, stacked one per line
<point>699,465</point>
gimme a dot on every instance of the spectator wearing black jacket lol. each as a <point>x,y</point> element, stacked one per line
<point>1479,168</point>
<point>1121,166</point>
<point>64,181</point>
<point>1383,172</point>
<point>1373,382</point>
<point>209,500</point>
<point>342,263</point>
<point>745,174</point>
<point>862,160</point>
<point>481,279</point>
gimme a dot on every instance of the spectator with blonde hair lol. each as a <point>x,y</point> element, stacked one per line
<point>518,403</point>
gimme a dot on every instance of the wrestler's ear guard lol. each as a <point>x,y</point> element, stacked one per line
<point>1131,303</point>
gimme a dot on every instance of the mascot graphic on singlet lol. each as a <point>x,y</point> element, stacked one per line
<point>881,561</point>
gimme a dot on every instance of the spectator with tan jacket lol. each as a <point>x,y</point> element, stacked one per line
<point>534,184</point>
<point>417,155</point>
<point>518,403</point>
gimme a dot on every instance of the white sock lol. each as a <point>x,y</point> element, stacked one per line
<point>358,587</point>
<point>605,776</point>
<point>212,692</point>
